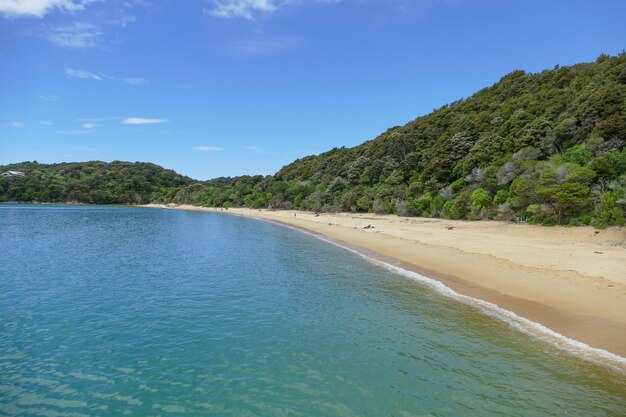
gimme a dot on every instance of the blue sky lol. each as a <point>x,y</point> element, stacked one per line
<point>231,87</point>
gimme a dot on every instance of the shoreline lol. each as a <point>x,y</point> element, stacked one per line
<point>560,300</point>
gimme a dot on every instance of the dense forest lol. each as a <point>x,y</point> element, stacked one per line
<point>89,182</point>
<point>545,148</point>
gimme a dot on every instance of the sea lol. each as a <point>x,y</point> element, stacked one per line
<point>116,311</point>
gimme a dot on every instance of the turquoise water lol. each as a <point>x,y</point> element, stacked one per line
<point>112,311</point>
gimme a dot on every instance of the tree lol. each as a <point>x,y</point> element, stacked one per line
<point>566,189</point>
<point>457,207</point>
<point>609,212</point>
<point>480,199</point>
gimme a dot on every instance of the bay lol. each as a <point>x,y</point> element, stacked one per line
<point>109,311</point>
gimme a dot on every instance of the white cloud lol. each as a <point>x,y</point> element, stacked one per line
<point>98,76</point>
<point>123,19</point>
<point>82,34</point>
<point>208,148</point>
<point>134,81</point>
<point>74,73</point>
<point>78,35</point>
<point>89,125</point>
<point>38,8</point>
<point>240,8</point>
<point>247,9</point>
<point>45,123</point>
<point>12,124</point>
<point>142,121</point>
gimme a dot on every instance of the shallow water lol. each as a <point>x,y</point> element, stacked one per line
<point>114,311</point>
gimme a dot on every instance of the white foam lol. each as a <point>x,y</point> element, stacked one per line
<point>534,329</point>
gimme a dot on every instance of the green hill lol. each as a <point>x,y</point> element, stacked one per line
<point>89,182</point>
<point>546,148</point>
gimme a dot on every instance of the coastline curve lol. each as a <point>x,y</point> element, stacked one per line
<point>536,330</point>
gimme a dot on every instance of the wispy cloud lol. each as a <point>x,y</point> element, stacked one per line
<point>77,35</point>
<point>85,75</point>
<point>208,148</point>
<point>122,19</point>
<point>248,9</point>
<point>142,121</point>
<point>98,76</point>
<point>134,81</point>
<point>89,125</point>
<point>93,27</point>
<point>39,8</point>
<point>14,124</point>
<point>240,8</point>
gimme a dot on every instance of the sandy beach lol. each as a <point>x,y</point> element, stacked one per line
<point>570,280</point>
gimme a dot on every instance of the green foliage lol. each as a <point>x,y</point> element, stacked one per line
<point>584,220</point>
<point>480,198</point>
<point>436,206</point>
<point>457,207</point>
<point>577,154</point>
<point>609,211</point>
<point>419,206</point>
<point>501,197</point>
<point>547,148</point>
<point>90,182</point>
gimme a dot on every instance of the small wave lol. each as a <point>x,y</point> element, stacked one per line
<point>598,356</point>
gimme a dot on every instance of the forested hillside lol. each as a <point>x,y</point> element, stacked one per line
<point>545,148</point>
<point>89,182</point>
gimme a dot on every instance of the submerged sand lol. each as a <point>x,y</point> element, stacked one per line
<point>570,280</point>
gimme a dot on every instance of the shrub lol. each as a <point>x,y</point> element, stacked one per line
<point>480,199</point>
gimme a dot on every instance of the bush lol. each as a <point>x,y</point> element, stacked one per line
<point>501,197</point>
<point>549,222</point>
<point>610,214</point>
<point>578,155</point>
<point>584,220</point>
<point>420,206</point>
<point>480,199</point>
<point>457,207</point>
